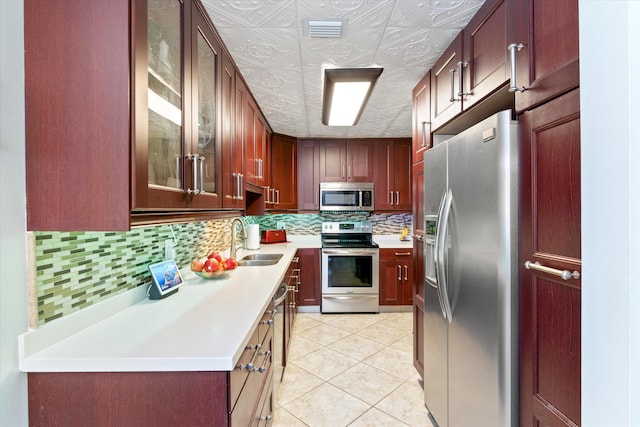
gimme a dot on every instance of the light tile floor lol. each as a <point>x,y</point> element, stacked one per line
<point>351,370</point>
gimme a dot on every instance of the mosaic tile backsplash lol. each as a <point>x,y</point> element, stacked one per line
<point>77,269</point>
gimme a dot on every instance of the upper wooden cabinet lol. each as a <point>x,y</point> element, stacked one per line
<point>130,132</point>
<point>284,175</point>
<point>392,164</point>
<point>421,125</point>
<point>445,101</point>
<point>485,66</point>
<point>308,175</point>
<point>176,109</point>
<point>346,160</point>
<point>77,115</point>
<point>233,96</point>
<point>544,35</point>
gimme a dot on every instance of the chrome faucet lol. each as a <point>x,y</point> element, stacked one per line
<point>234,249</point>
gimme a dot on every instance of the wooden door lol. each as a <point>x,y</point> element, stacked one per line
<point>548,63</point>
<point>421,126</point>
<point>77,128</point>
<point>309,288</point>
<point>333,161</point>
<point>384,179</point>
<point>360,160</point>
<point>485,52</point>
<point>418,262</point>
<point>550,235</point>
<point>202,131</point>
<point>284,171</point>
<point>445,102</point>
<point>308,175</point>
<point>401,169</point>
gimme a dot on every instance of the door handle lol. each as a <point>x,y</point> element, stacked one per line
<point>565,274</point>
<point>513,86</point>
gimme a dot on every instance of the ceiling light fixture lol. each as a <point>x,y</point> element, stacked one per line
<point>346,91</point>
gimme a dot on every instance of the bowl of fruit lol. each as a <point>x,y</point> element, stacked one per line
<point>214,267</point>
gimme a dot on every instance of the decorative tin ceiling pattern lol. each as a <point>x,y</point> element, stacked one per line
<point>284,67</point>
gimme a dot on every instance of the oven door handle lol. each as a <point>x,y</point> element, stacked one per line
<point>350,251</point>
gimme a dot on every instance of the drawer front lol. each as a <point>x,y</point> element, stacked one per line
<point>396,253</point>
<point>247,408</point>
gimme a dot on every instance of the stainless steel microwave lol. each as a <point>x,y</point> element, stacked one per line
<point>346,196</point>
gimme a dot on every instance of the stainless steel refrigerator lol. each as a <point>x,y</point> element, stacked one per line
<point>471,276</point>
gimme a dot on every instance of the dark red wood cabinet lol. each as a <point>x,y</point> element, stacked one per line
<point>309,291</point>
<point>308,175</point>
<point>550,308</point>
<point>233,172</point>
<point>547,64</point>
<point>445,102</point>
<point>284,173</point>
<point>485,65</point>
<point>346,160</point>
<point>396,276</point>
<point>421,124</point>
<point>392,160</point>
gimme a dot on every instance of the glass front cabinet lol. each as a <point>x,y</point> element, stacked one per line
<point>176,149</point>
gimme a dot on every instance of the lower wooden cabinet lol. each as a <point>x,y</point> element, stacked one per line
<point>209,398</point>
<point>309,292</point>
<point>396,276</point>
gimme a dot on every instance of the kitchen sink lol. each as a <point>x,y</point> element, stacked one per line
<point>259,259</point>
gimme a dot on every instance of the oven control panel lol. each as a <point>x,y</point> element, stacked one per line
<point>347,227</point>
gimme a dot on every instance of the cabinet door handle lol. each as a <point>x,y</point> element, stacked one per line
<point>406,273</point>
<point>201,189</point>
<point>194,163</point>
<point>178,174</point>
<point>277,197</point>
<point>453,84</point>
<point>315,198</point>
<point>461,91</point>
<point>349,171</point>
<point>391,197</point>
<point>236,190</point>
<point>399,273</point>
<point>397,197</point>
<point>513,86</point>
<point>240,186</point>
<point>424,133</point>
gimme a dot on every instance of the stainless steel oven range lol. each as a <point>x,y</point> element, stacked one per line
<point>350,268</point>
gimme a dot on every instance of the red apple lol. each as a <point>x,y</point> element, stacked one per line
<point>215,255</point>
<point>197,265</point>
<point>211,264</point>
<point>230,264</point>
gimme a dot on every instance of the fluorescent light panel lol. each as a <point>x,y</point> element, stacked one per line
<point>346,91</point>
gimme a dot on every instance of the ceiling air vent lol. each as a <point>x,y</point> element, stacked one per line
<point>325,28</point>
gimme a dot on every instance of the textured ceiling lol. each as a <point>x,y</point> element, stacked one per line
<point>284,67</point>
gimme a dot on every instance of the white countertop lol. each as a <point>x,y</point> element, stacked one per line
<point>203,327</point>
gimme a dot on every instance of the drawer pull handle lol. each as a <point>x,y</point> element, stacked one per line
<point>403,253</point>
<point>250,366</point>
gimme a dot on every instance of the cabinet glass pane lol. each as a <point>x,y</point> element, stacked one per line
<point>207,112</point>
<point>165,92</point>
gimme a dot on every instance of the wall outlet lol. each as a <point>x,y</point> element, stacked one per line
<point>280,225</point>
<point>169,249</point>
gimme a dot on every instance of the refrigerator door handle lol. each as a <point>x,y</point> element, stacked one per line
<point>442,234</point>
<point>436,252</point>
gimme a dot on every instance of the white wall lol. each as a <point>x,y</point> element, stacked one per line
<point>610,147</point>
<point>13,287</point>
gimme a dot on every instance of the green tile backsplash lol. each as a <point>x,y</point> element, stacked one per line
<point>77,269</point>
